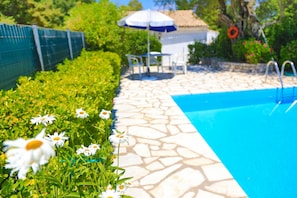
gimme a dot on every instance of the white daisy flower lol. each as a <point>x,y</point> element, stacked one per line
<point>36,120</point>
<point>49,119</point>
<point>110,194</point>
<point>80,113</point>
<point>23,154</point>
<point>121,188</point>
<point>104,114</point>
<point>21,168</point>
<point>118,137</point>
<point>79,151</point>
<point>85,150</point>
<point>17,166</point>
<point>57,139</point>
<point>94,147</point>
<point>43,120</point>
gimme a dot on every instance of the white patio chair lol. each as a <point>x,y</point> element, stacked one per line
<point>154,60</point>
<point>135,61</point>
<point>180,60</point>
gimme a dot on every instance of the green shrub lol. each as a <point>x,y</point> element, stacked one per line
<point>251,51</point>
<point>289,52</point>
<point>88,82</point>
<point>135,42</point>
<point>197,51</point>
<point>220,48</point>
<point>223,45</point>
<point>238,51</point>
<point>281,33</point>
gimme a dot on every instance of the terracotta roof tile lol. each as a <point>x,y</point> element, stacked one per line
<point>185,18</point>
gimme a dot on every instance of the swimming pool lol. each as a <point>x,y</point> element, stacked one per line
<point>253,134</point>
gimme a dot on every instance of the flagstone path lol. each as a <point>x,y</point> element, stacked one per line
<point>166,156</point>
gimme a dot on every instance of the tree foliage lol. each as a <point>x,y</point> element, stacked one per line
<point>6,19</point>
<point>268,11</point>
<point>134,5</point>
<point>136,41</point>
<point>44,13</point>
<point>165,4</point>
<point>99,23</point>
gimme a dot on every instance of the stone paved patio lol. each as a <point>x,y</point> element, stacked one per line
<point>166,156</point>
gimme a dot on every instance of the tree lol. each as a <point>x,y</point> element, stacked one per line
<point>98,21</point>
<point>44,13</point>
<point>217,13</point>
<point>208,10</point>
<point>185,4</point>
<point>281,30</point>
<point>134,5</point>
<point>5,19</point>
<point>16,9</point>
<point>268,11</point>
<point>166,4</point>
<point>243,16</point>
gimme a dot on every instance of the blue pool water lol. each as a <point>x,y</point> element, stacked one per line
<point>253,134</point>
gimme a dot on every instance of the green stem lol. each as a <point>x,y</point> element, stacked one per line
<point>118,160</point>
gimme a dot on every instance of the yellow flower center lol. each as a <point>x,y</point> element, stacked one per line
<point>120,135</point>
<point>33,144</point>
<point>56,138</point>
<point>81,112</point>
<point>104,113</point>
<point>122,187</point>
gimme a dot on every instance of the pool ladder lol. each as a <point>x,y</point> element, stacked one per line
<point>280,74</point>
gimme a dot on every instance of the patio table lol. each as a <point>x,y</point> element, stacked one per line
<point>154,54</point>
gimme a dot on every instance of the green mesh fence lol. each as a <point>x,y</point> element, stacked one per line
<point>18,56</point>
<point>19,51</point>
<point>54,47</point>
<point>76,42</point>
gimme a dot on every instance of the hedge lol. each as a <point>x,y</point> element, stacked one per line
<point>88,82</point>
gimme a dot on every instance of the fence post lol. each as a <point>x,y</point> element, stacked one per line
<point>69,44</point>
<point>37,44</point>
<point>83,40</point>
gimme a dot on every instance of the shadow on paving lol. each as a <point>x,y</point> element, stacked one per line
<point>153,76</point>
<point>179,71</point>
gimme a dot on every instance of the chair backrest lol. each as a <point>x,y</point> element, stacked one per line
<point>153,59</point>
<point>180,58</point>
<point>131,62</point>
<point>134,60</point>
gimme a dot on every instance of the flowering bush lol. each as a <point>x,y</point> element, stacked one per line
<point>252,51</point>
<point>71,152</point>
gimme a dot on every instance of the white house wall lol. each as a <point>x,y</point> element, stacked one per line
<point>211,36</point>
<point>177,42</point>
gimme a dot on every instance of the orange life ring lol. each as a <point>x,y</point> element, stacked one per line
<point>233,32</point>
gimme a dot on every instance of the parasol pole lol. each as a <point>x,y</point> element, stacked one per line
<point>148,42</point>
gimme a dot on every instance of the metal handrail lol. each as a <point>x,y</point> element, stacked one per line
<point>277,71</point>
<point>292,66</point>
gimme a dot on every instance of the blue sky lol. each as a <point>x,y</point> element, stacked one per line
<point>146,4</point>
